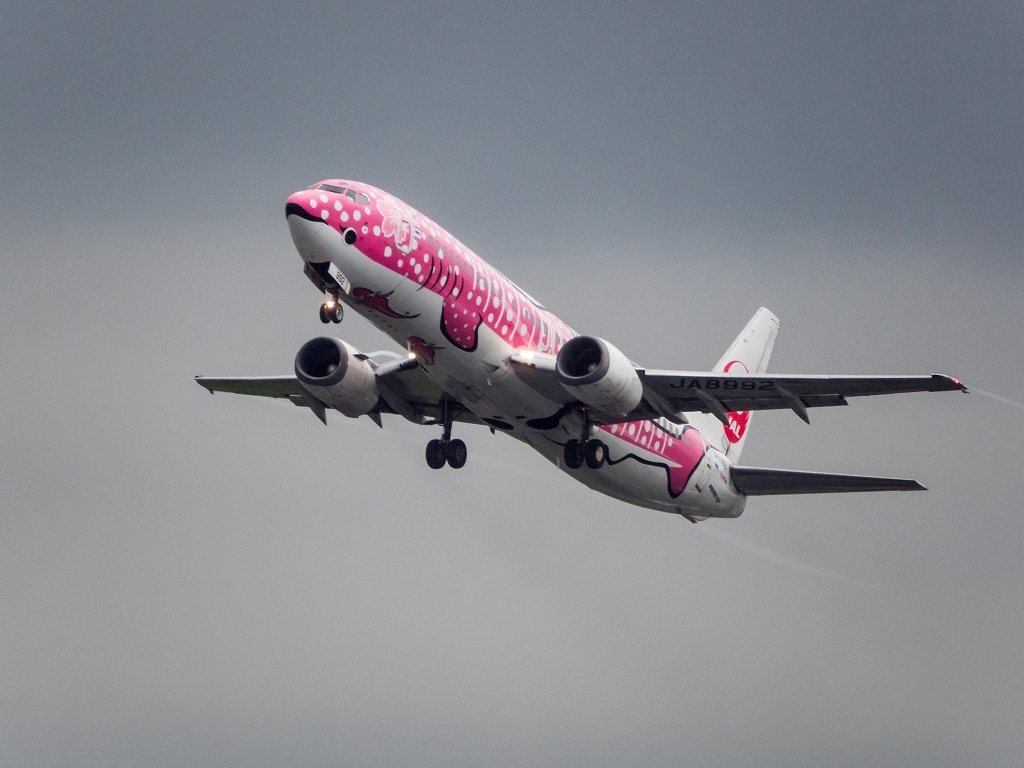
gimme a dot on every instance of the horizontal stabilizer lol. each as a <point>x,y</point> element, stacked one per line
<point>755,481</point>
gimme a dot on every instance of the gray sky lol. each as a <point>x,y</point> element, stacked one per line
<point>187,580</point>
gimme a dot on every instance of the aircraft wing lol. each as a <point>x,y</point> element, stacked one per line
<point>259,386</point>
<point>285,387</point>
<point>721,394</point>
<point>404,389</point>
<point>754,481</point>
<point>670,394</point>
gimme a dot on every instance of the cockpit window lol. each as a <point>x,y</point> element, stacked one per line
<point>358,198</point>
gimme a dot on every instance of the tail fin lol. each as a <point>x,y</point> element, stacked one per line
<point>749,353</point>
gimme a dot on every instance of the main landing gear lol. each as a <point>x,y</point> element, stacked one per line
<point>446,450</point>
<point>331,311</point>
<point>590,451</point>
<point>452,452</point>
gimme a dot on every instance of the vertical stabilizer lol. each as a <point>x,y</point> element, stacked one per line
<point>749,353</point>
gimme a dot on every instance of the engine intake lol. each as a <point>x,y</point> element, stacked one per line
<point>599,375</point>
<point>330,370</point>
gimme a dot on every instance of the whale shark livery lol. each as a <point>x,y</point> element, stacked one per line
<point>480,350</point>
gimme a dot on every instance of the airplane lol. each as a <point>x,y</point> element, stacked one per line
<point>480,350</point>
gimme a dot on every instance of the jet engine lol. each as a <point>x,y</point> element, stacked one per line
<point>599,375</point>
<point>331,371</point>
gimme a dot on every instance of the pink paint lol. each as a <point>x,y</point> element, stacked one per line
<point>459,323</point>
<point>681,455</point>
<point>738,420</point>
<point>378,302</point>
<point>422,349</point>
<point>396,222</point>
<point>475,294</point>
<point>415,248</point>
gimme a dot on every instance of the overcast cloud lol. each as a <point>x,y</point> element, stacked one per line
<point>196,580</point>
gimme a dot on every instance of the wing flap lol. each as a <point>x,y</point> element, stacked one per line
<point>756,481</point>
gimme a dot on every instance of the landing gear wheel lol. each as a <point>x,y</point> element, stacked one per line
<point>456,453</point>
<point>573,455</point>
<point>435,454</point>
<point>595,453</point>
<point>324,318</point>
<point>336,312</point>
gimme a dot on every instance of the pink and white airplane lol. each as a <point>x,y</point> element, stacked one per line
<point>480,350</point>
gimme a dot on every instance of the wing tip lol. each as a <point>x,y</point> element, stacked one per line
<point>950,383</point>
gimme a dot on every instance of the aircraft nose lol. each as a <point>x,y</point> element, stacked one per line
<point>307,214</point>
<point>307,205</point>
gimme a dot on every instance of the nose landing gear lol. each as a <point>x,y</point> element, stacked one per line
<point>331,311</point>
<point>446,450</point>
<point>319,273</point>
<point>590,451</point>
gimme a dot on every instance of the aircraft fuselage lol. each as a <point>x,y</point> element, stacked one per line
<point>464,321</point>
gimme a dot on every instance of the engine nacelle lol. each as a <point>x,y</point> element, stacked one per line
<point>329,369</point>
<point>600,375</point>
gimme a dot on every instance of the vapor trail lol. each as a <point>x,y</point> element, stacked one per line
<point>1014,403</point>
<point>775,557</point>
